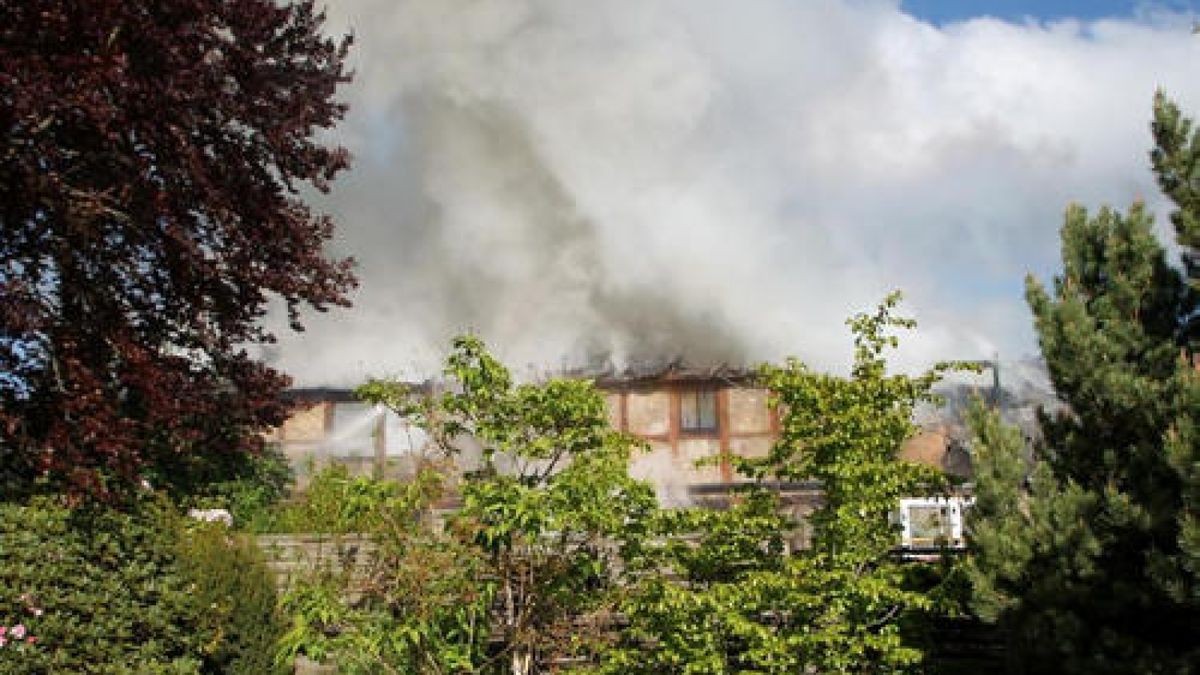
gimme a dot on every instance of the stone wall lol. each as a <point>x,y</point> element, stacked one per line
<point>289,555</point>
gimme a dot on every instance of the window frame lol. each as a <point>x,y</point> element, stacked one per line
<point>695,396</point>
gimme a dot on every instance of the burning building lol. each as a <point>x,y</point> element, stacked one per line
<point>693,421</point>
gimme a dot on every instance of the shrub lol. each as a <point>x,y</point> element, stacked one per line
<point>247,484</point>
<point>235,594</point>
<point>417,603</point>
<point>334,503</point>
<point>111,595</point>
<point>106,591</point>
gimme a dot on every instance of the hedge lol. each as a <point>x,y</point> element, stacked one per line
<point>102,591</point>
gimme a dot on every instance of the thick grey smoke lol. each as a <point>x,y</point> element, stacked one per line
<point>718,180</point>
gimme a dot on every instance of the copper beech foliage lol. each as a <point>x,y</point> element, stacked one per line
<point>153,154</point>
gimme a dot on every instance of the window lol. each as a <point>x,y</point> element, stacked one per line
<point>697,411</point>
<point>353,431</point>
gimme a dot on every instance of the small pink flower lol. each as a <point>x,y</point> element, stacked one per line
<point>18,631</point>
<point>3,630</point>
<point>31,640</point>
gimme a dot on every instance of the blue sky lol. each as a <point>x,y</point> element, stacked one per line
<point>946,11</point>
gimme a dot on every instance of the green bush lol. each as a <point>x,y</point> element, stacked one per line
<point>247,484</point>
<point>235,593</point>
<point>334,503</point>
<point>103,591</point>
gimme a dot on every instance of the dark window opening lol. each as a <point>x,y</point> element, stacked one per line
<point>698,411</point>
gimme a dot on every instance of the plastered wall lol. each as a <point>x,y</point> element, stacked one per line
<point>676,459</point>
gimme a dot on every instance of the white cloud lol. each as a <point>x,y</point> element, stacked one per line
<point>722,180</point>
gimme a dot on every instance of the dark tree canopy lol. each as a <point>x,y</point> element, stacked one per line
<point>1092,562</point>
<point>153,155</point>
<point>1176,161</point>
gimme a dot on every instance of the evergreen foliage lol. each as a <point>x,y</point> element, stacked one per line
<point>1176,159</point>
<point>103,591</point>
<point>233,593</point>
<point>1091,561</point>
<point>1176,162</point>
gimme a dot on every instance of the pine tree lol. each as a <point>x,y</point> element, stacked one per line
<point>1090,561</point>
<point>1176,162</point>
<point>1176,159</point>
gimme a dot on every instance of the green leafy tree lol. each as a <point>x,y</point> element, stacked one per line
<point>734,600</point>
<point>551,506</point>
<point>419,604</point>
<point>1087,562</point>
<point>707,593</point>
<point>526,572</point>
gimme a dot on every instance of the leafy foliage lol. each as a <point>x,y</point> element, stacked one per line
<point>551,507</point>
<point>730,598</point>
<point>845,433</point>
<point>249,485</point>
<point>123,593</point>
<point>557,556</point>
<point>707,593</point>
<point>420,604</point>
<point>149,199</point>
<point>1092,563</point>
<point>525,572</point>
<point>334,502</point>
<point>233,592</point>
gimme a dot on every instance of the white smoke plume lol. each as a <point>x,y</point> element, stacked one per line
<point>723,181</point>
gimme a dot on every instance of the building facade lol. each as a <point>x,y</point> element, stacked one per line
<point>692,421</point>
